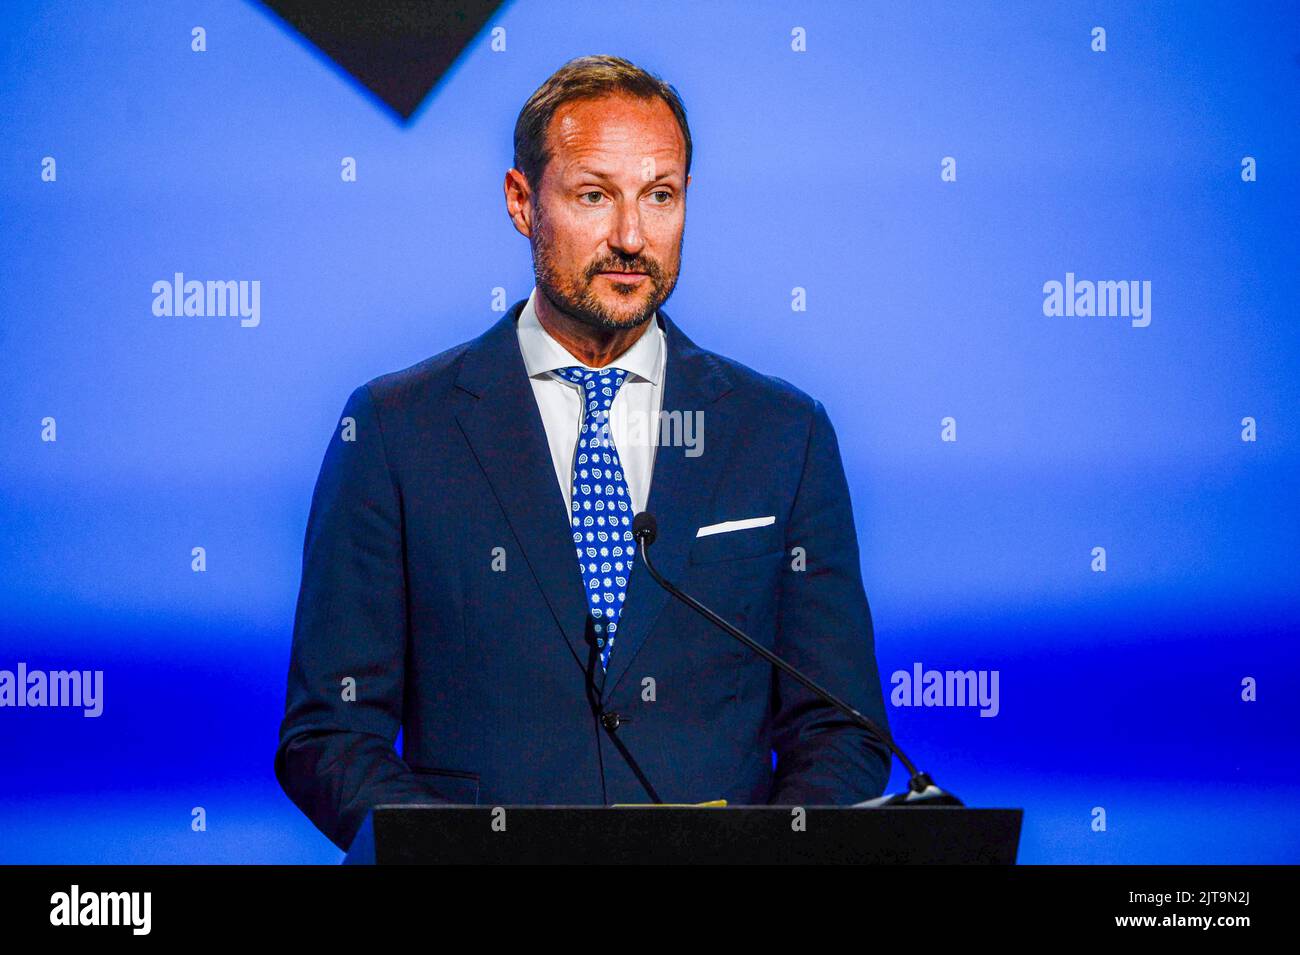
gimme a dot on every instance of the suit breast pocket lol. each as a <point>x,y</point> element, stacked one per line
<point>453,785</point>
<point>737,545</point>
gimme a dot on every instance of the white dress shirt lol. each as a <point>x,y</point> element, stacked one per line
<point>633,417</point>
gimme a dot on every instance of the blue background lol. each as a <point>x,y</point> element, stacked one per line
<point>818,170</point>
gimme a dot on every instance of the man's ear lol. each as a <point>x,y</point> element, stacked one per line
<point>519,198</point>
<point>688,180</point>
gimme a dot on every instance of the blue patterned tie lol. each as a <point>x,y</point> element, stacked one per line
<point>601,509</point>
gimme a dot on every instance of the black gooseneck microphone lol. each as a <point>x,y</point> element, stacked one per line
<point>921,789</point>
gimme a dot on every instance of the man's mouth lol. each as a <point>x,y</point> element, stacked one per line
<point>628,277</point>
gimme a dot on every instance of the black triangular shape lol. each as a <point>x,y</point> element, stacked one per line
<point>398,49</point>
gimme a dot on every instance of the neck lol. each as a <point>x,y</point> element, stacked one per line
<point>594,347</point>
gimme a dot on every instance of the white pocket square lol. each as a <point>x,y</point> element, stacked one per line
<point>727,526</point>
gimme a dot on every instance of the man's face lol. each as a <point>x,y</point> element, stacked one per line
<point>609,213</point>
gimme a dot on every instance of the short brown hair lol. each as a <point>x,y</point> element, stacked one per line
<point>586,77</point>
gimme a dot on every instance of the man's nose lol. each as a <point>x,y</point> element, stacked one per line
<point>625,234</point>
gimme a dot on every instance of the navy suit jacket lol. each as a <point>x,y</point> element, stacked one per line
<point>407,620</point>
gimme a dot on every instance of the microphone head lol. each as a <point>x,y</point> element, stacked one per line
<point>644,527</point>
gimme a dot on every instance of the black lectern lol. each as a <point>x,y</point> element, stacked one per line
<point>585,835</point>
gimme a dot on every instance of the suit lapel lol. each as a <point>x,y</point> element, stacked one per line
<point>681,490</point>
<point>505,430</point>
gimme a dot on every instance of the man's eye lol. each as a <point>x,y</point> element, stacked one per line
<point>588,195</point>
<point>667,196</point>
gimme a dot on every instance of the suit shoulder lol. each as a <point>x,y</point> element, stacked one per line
<point>414,385</point>
<point>773,392</point>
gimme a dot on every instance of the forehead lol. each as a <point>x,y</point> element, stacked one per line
<point>614,129</point>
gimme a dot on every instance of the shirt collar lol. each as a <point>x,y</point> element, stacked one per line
<point>543,354</point>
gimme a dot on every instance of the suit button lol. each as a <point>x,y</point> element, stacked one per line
<point>611,721</point>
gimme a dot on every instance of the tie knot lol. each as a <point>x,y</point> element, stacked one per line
<point>599,385</point>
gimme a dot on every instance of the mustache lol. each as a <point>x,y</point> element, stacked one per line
<point>637,265</point>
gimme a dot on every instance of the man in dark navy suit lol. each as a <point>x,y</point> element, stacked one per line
<point>469,574</point>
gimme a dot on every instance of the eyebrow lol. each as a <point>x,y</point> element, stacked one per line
<point>597,174</point>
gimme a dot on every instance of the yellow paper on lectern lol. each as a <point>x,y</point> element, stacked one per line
<point>714,804</point>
